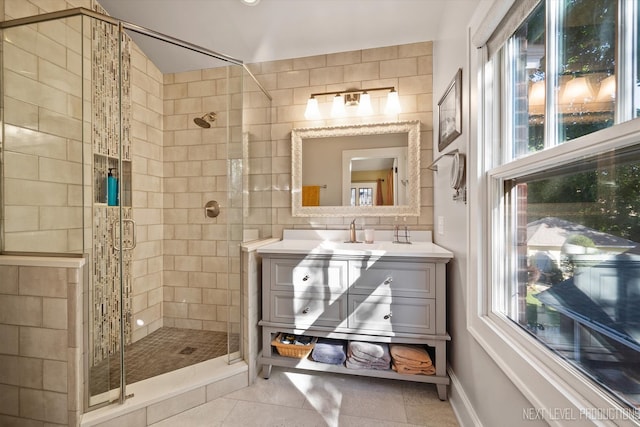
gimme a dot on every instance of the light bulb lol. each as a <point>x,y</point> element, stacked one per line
<point>364,107</point>
<point>338,109</point>
<point>393,103</point>
<point>312,112</point>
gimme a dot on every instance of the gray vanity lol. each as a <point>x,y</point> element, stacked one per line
<point>315,284</point>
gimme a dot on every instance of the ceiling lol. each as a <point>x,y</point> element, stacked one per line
<point>278,29</point>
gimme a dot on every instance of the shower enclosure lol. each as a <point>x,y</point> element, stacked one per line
<point>154,172</point>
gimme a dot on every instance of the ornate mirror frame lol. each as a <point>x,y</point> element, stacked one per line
<point>411,128</point>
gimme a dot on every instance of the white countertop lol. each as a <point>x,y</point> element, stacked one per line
<point>298,243</point>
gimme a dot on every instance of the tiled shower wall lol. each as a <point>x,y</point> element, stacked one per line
<point>43,133</point>
<point>291,81</point>
<point>147,166</point>
<point>196,270</point>
<point>41,336</point>
<point>202,255</point>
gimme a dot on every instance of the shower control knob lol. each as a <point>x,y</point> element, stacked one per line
<point>388,316</point>
<point>388,280</point>
<point>306,310</point>
<point>305,278</point>
<point>211,209</point>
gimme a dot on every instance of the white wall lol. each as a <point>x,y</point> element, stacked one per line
<point>481,392</point>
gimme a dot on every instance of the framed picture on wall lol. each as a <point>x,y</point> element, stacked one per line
<point>450,112</point>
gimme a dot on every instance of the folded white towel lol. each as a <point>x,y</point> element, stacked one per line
<point>369,351</point>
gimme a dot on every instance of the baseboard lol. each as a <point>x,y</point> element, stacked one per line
<point>461,404</point>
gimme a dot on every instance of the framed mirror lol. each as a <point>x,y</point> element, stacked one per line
<point>356,170</point>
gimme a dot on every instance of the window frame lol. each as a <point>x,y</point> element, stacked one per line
<point>546,380</point>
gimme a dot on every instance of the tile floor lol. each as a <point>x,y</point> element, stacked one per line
<point>298,398</point>
<point>164,350</point>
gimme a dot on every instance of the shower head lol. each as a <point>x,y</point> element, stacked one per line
<point>206,120</point>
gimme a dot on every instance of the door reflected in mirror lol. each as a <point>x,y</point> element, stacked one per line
<point>361,170</point>
<point>375,176</point>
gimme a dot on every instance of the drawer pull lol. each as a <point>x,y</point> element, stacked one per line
<point>388,316</point>
<point>388,280</point>
<point>306,310</point>
<point>305,278</point>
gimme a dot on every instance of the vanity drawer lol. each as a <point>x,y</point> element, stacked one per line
<point>380,313</point>
<point>397,279</point>
<point>308,311</point>
<point>304,275</point>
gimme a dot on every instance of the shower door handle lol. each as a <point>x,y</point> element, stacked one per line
<point>133,235</point>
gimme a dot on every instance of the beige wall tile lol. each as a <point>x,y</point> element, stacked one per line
<point>20,113</point>
<point>203,312</point>
<point>398,68</point>
<point>9,279</point>
<point>359,72</point>
<point>290,79</point>
<point>201,88</point>
<point>54,313</point>
<point>31,142</point>
<point>57,76</point>
<point>9,370</point>
<point>380,53</point>
<point>34,193</point>
<point>20,310</point>
<point>57,217</point>
<point>10,339</point>
<point>344,58</point>
<point>43,343</point>
<point>30,372</point>
<point>54,377</point>
<point>9,400</point>
<point>188,295</point>
<point>43,281</point>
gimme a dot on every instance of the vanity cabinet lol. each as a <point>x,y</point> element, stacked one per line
<point>396,295</point>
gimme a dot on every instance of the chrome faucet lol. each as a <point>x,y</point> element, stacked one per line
<point>352,233</point>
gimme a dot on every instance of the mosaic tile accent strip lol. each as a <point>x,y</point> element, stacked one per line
<point>106,97</point>
<point>105,292</point>
<point>110,63</point>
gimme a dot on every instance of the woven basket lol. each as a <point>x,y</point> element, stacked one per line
<point>292,350</point>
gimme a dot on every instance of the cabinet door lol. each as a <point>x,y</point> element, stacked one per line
<point>386,314</point>
<point>397,279</point>
<point>305,311</point>
<point>308,275</point>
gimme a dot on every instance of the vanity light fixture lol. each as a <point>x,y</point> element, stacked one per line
<point>352,97</point>
<point>250,2</point>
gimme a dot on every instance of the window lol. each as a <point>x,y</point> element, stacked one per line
<point>578,64</point>
<point>566,268</point>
